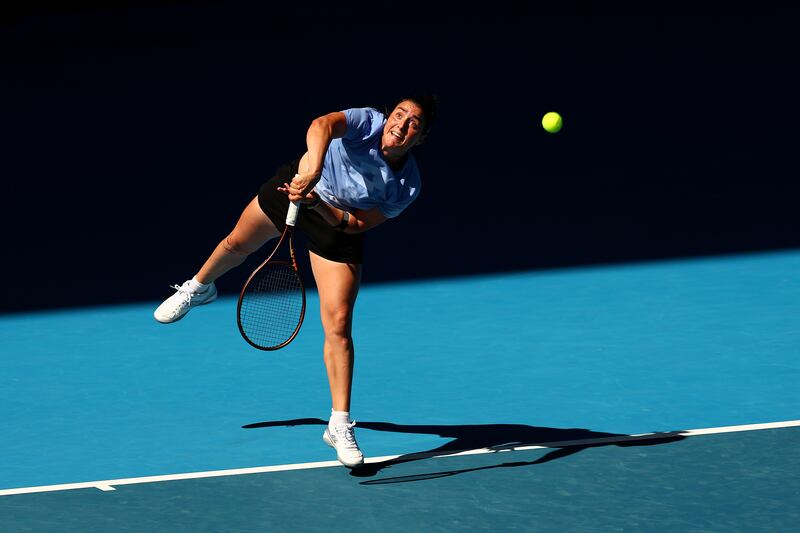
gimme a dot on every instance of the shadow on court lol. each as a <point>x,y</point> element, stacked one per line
<point>496,437</point>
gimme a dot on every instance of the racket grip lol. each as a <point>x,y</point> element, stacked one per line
<point>291,214</point>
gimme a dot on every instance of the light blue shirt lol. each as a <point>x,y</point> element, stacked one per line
<point>355,175</point>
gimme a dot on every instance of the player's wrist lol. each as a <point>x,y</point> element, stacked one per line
<point>344,223</point>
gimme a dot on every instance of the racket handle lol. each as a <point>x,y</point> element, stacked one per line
<point>291,215</point>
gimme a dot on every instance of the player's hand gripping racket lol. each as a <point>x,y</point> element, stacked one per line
<point>273,300</point>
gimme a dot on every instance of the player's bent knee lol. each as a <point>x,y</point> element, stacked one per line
<point>232,246</point>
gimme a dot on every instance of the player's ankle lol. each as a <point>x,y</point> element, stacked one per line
<point>339,417</point>
<point>198,286</point>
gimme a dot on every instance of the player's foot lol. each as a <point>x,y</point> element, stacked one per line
<point>177,305</point>
<point>343,439</point>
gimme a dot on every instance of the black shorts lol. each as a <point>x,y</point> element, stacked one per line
<point>321,238</point>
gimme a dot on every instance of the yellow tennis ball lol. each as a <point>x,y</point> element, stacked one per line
<point>552,122</point>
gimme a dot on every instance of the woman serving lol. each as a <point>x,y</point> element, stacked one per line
<point>357,173</point>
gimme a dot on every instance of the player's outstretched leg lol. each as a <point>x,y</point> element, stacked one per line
<point>252,230</point>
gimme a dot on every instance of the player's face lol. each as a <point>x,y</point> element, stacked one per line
<point>403,129</point>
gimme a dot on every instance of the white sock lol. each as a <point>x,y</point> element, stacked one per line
<point>339,418</point>
<point>197,286</point>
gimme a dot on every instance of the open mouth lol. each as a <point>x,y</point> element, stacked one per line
<point>397,135</point>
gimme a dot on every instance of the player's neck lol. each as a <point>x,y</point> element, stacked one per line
<point>396,163</point>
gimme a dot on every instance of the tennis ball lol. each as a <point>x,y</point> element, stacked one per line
<point>552,122</point>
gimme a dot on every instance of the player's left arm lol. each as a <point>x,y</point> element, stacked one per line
<point>358,221</point>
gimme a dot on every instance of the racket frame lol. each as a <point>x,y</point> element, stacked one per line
<point>288,233</point>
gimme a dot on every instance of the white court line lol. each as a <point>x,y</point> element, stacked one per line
<point>110,484</point>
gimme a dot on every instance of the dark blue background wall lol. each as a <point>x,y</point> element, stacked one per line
<point>132,137</point>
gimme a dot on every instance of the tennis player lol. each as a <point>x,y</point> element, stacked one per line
<point>357,173</point>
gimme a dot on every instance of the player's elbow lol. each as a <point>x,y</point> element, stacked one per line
<point>333,124</point>
<point>319,124</point>
<point>327,124</point>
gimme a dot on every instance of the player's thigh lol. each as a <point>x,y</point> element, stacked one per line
<point>253,229</point>
<point>337,284</point>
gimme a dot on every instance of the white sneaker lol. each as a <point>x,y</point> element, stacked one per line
<point>179,303</point>
<point>343,440</point>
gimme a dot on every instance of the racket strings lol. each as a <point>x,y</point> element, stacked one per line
<point>272,306</point>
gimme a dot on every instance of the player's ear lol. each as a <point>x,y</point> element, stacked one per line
<point>421,139</point>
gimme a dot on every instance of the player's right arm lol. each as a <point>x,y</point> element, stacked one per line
<point>318,137</point>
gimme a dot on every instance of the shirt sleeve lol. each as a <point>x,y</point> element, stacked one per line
<point>362,123</point>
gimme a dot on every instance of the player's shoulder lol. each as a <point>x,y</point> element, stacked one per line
<point>363,121</point>
<point>364,114</point>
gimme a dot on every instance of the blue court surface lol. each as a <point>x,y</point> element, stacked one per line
<point>657,396</point>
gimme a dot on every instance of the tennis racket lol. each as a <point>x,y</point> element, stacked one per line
<point>273,300</point>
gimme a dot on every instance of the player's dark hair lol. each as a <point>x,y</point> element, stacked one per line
<point>429,103</point>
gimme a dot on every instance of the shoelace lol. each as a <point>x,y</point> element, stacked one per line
<point>345,431</point>
<point>186,294</point>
